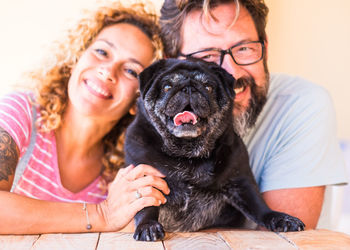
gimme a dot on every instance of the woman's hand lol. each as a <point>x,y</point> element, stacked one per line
<point>132,189</point>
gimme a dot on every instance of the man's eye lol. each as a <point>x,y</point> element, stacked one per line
<point>101,52</point>
<point>245,49</point>
<point>207,57</point>
<point>210,57</point>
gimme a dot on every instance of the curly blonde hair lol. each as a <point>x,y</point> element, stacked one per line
<point>51,81</point>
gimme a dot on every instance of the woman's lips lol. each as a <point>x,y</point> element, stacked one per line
<point>96,90</point>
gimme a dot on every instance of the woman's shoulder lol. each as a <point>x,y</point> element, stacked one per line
<point>16,116</point>
<point>18,98</point>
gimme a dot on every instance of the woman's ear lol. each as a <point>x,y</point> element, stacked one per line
<point>133,109</point>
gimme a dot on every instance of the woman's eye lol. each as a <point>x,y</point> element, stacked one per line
<point>101,52</point>
<point>132,72</point>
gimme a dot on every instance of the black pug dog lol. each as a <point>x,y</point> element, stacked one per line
<point>184,128</point>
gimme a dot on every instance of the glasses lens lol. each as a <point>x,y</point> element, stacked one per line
<point>247,53</point>
<point>209,56</point>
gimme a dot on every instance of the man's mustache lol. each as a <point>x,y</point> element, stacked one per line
<point>244,82</point>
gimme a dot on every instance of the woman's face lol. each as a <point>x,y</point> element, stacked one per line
<point>103,83</point>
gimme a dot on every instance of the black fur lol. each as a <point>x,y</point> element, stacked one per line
<point>206,164</point>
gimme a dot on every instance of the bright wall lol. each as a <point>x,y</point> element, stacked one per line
<point>310,38</point>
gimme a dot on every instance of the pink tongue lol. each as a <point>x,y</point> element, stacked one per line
<point>185,117</point>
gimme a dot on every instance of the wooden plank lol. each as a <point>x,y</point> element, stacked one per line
<point>83,241</point>
<point>319,239</point>
<point>194,241</point>
<point>254,240</point>
<point>125,241</point>
<point>10,242</point>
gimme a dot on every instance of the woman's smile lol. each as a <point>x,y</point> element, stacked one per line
<point>97,89</point>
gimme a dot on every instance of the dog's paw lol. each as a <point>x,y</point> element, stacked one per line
<point>150,231</point>
<point>281,222</point>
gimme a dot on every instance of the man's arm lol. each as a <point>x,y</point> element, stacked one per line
<point>303,203</point>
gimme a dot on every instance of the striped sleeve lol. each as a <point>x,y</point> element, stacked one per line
<point>16,118</point>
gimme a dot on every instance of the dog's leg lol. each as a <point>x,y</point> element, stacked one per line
<point>147,226</point>
<point>245,197</point>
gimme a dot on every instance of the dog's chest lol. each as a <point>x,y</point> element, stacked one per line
<point>192,203</point>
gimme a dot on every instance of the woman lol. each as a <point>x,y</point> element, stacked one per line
<point>83,104</point>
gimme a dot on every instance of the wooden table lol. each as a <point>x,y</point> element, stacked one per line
<point>232,239</point>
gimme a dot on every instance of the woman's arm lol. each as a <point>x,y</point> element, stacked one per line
<point>9,155</point>
<point>24,215</point>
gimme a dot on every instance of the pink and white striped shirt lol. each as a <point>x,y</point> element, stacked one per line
<point>41,177</point>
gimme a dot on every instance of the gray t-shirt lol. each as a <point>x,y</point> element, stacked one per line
<point>294,142</point>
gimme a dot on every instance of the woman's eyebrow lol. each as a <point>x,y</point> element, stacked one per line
<point>109,43</point>
<point>136,61</point>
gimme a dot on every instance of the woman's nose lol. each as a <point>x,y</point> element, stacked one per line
<point>106,75</point>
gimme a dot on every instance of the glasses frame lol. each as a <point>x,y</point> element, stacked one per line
<point>228,51</point>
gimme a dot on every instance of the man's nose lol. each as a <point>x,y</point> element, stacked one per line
<point>106,74</point>
<point>231,67</point>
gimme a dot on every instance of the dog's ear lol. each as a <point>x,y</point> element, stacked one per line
<point>148,75</point>
<point>226,78</point>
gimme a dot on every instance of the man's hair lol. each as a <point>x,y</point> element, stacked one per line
<point>174,12</point>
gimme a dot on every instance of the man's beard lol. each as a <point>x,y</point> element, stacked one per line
<point>248,116</point>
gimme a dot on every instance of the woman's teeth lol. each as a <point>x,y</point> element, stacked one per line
<point>97,89</point>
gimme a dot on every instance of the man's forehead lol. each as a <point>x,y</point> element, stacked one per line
<point>217,21</point>
<point>201,33</point>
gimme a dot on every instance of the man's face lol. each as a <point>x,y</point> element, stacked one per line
<point>201,33</point>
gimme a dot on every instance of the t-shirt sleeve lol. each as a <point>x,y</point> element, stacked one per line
<point>306,151</point>
<point>16,118</point>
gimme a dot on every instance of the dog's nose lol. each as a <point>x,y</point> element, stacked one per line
<point>188,89</point>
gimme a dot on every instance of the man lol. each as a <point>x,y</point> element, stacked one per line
<point>287,123</point>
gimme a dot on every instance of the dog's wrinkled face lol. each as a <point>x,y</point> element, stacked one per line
<point>189,102</point>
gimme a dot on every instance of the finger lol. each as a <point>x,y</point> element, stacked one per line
<point>142,170</point>
<point>150,180</point>
<point>121,174</point>
<point>151,192</point>
<point>124,171</point>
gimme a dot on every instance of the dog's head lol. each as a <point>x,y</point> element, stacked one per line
<point>189,102</point>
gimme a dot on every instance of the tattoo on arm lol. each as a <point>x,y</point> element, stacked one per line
<point>9,155</point>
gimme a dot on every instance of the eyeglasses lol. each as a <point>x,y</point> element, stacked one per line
<point>242,54</point>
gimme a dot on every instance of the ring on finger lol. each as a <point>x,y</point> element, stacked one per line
<point>138,195</point>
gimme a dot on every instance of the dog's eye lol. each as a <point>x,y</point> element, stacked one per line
<point>209,89</point>
<point>167,88</point>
